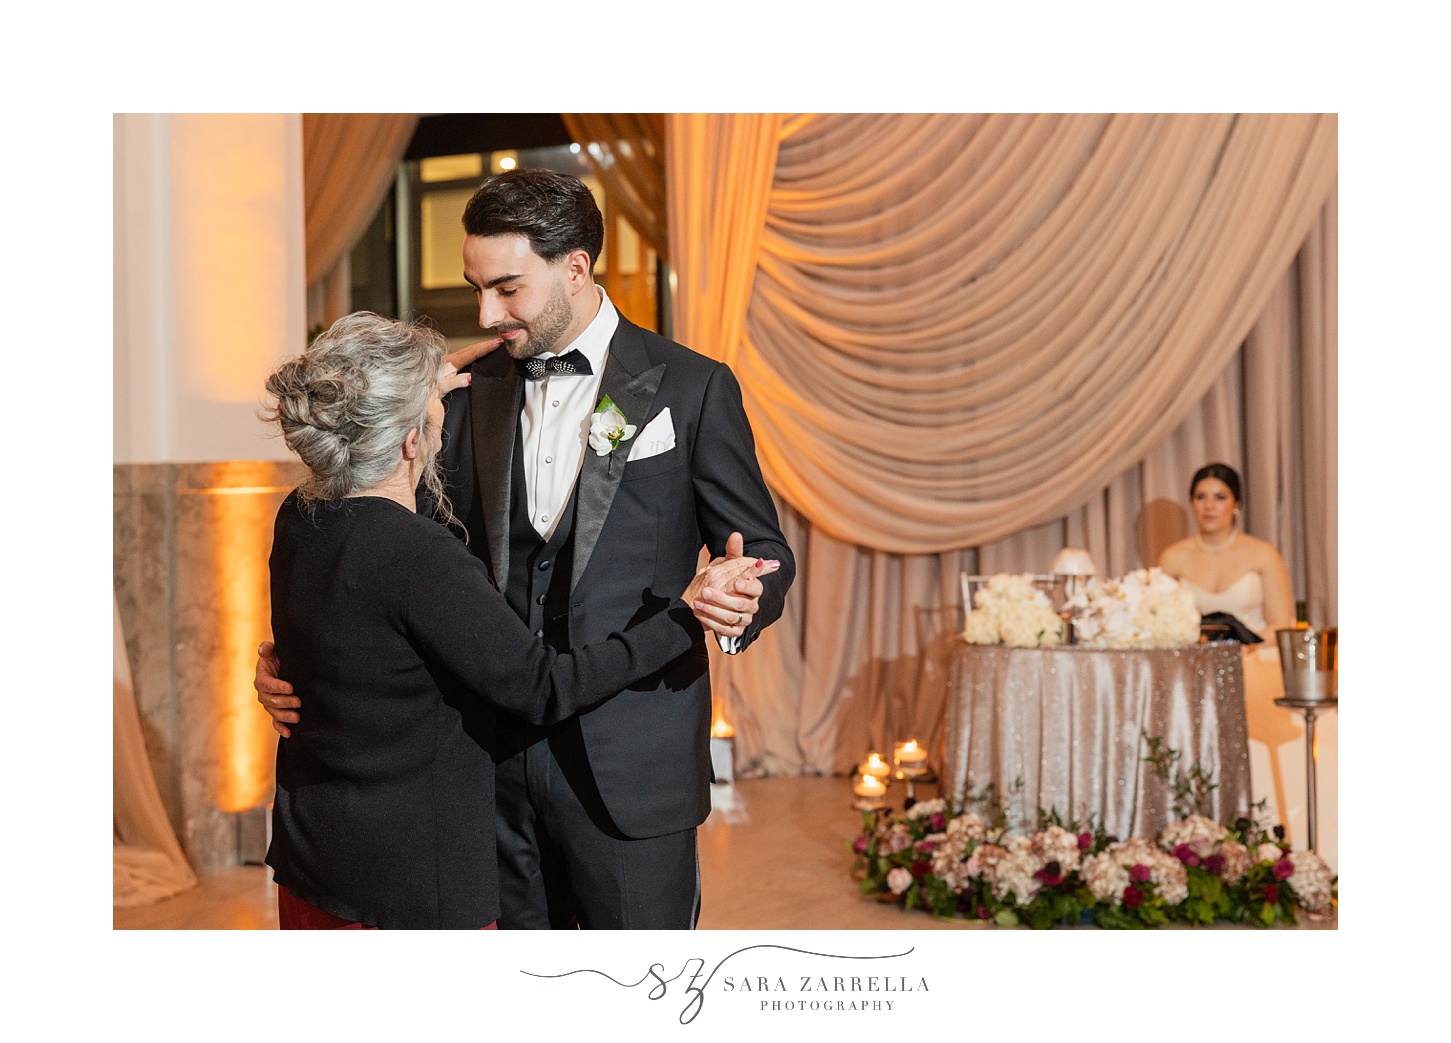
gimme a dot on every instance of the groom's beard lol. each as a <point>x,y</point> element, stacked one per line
<point>543,332</point>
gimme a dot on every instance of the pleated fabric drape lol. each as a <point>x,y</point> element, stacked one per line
<point>972,340</point>
<point>148,864</point>
<point>964,326</point>
<point>721,166</point>
<point>861,656</point>
<point>626,151</point>
<point>349,161</point>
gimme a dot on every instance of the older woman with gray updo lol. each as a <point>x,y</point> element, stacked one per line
<point>384,814</point>
<point>347,404</point>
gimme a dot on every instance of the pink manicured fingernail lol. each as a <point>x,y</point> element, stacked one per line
<point>468,379</point>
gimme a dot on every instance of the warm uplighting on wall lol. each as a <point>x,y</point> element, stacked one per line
<point>721,729</point>
<point>244,747</point>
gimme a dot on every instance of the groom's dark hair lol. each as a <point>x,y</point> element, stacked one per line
<point>555,212</point>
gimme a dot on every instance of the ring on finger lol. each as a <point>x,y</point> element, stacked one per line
<point>737,621</point>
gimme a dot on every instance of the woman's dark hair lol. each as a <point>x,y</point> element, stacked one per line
<point>1226,474</point>
<point>555,212</point>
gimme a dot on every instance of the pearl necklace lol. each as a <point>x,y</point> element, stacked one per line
<point>1199,539</point>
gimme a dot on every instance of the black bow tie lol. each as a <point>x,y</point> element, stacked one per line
<point>571,363</point>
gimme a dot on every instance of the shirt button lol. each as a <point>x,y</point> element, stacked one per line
<point>544,517</point>
<point>541,598</point>
<point>549,459</point>
<point>544,566</point>
<point>556,402</point>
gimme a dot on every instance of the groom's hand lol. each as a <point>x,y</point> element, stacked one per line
<point>729,611</point>
<point>273,693</point>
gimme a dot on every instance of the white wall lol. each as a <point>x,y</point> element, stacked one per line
<point>209,281</point>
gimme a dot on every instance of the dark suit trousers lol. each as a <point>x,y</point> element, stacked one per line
<point>564,864</point>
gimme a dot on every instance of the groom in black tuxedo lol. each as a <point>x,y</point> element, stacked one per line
<point>590,461</point>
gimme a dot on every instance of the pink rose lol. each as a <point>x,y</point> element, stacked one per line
<point>1283,869</point>
<point>938,822</point>
<point>1085,841</point>
<point>1185,854</point>
<point>859,845</point>
<point>898,879</point>
<point>926,846</point>
<point>1140,873</point>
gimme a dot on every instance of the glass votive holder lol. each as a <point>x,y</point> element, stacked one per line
<point>910,759</point>
<point>871,793</point>
<point>876,766</point>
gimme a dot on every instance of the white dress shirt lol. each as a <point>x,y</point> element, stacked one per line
<point>555,422</point>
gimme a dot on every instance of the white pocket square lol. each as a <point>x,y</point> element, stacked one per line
<point>658,437</point>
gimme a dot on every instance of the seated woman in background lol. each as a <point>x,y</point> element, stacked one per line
<point>384,814</point>
<point>1229,570</point>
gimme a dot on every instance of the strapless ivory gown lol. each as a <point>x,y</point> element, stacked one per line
<point>1268,724</point>
<point>1244,599</point>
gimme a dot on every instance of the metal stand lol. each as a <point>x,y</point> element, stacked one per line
<point>910,776</point>
<point>1310,707</point>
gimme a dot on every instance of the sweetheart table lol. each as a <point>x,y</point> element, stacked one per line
<point>1063,728</point>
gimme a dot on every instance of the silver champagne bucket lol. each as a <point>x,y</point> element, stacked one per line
<point>1307,660</point>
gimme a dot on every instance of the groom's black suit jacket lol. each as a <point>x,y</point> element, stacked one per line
<point>638,530</point>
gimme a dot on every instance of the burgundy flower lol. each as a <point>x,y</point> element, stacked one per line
<point>1051,874</point>
<point>1085,841</point>
<point>1185,854</point>
<point>919,869</point>
<point>1283,869</point>
<point>982,913</point>
<point>938,822</point>
<point>1214,864</point>
<point>1139,873</point>
<point>1272,893</point>
<point>926,846</point>
<point>860,845</point>
<point>1133,897</point>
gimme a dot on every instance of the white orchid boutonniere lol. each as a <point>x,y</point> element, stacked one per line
<point>607,428</point>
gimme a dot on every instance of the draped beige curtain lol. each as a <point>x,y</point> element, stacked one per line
<point>626,151</point>
<point>972,340</point>
<point>348,163</point>
<point>860,657</point>
<point>147,862</point>
<point>964,326</point>
<point>721,168</point>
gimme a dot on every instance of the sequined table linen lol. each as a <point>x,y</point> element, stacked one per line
<point>1062,728</point>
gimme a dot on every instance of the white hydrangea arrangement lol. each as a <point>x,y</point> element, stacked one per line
<point>1147,608</point>
<point>1010,610</point>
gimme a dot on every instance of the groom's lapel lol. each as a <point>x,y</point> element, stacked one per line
<point>631,383</point>
<point>494,399</point>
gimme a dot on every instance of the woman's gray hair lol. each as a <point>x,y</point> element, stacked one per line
<point>346,404</point>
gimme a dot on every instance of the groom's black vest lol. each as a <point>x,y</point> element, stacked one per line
<point>539,569</point>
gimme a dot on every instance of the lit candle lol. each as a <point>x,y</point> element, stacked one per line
<point>910,753</point>
<point>874,765</point>
<point>869,786</point>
